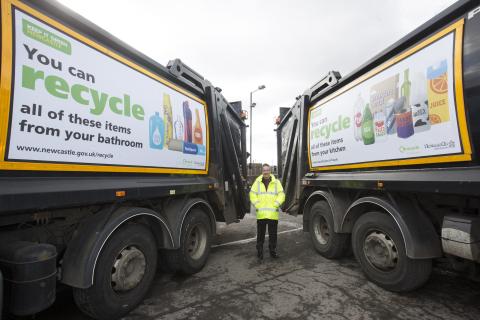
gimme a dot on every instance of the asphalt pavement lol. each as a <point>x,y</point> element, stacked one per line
<point>299,285</point>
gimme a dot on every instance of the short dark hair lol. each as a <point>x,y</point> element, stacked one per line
<point>265,165</point>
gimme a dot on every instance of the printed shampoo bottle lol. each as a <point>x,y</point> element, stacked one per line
<point>157,132</point>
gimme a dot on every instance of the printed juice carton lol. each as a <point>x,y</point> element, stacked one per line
<point>437,80</point>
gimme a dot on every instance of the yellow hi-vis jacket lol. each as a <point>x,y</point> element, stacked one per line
<point>267,201</point>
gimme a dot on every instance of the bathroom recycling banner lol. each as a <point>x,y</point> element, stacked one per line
<point>406,111</point>
<point>75,102</point>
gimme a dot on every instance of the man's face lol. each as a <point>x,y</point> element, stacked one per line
<point>266,172</point>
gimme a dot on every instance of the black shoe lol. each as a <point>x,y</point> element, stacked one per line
<point>274,255</point>
<point>260,255</point>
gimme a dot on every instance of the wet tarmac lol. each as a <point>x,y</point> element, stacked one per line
<point>299,285</point>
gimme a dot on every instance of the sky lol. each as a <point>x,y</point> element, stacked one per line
<point>238,45</point>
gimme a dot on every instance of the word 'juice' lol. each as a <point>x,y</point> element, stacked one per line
<point>438,109</point>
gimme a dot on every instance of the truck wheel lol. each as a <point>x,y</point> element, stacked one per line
<point>328,243</point>
<point>194,244</point>
<point>379,247</point>
<point>124,272</point>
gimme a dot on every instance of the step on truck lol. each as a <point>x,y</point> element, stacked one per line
<point>385,161</point>
<point>110,164</point>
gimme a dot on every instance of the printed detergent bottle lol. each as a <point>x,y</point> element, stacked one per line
<point>197,132</point>
<point>157,131</point>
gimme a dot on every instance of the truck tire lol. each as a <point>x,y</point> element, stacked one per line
<point>124,273</point>
<point>195,242</point>
<point>379,248</point>
<point>327,242</point>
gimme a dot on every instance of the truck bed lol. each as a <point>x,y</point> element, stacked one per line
<point>465,181</point>
<point>27,193</point>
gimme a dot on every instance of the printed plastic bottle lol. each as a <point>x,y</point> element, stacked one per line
<point>357,116</point>
<point>167,116</point>
<point>197,132</point>
<point>178,129</point>
<point>156,131</point>
<point>187,122</point>
<point>368,134</point>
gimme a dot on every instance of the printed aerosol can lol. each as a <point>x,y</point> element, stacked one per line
<point>187,122</point>
<point>390,124</point>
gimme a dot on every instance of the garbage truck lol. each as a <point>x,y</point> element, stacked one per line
<point>385,161</point>
<point>110,164</point>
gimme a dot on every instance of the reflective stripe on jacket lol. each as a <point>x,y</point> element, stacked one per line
<point>267,201</point>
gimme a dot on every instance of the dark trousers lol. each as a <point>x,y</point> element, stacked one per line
<point>272,234</point>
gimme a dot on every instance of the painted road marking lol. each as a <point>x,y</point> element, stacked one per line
<point>243,241</point>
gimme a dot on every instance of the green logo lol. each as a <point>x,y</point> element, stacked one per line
<point>52,40</point>
<point>404,149</point>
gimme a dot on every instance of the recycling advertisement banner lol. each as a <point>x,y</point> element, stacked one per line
<point>405,111</point>
<point>72,103</point>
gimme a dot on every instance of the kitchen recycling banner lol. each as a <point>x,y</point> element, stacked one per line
<point>73,104</point>
<point>406,111</point>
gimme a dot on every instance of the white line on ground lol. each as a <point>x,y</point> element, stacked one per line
<point>243,241</point>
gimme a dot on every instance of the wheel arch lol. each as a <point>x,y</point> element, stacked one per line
<point>82,253</point>
<point>318,195</point>
<point>418,233</point>
<point>335,201</point>
<point>177,210</point>
<point>205,207</point>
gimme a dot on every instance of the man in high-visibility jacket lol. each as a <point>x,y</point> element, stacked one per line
<point>267,196</point>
